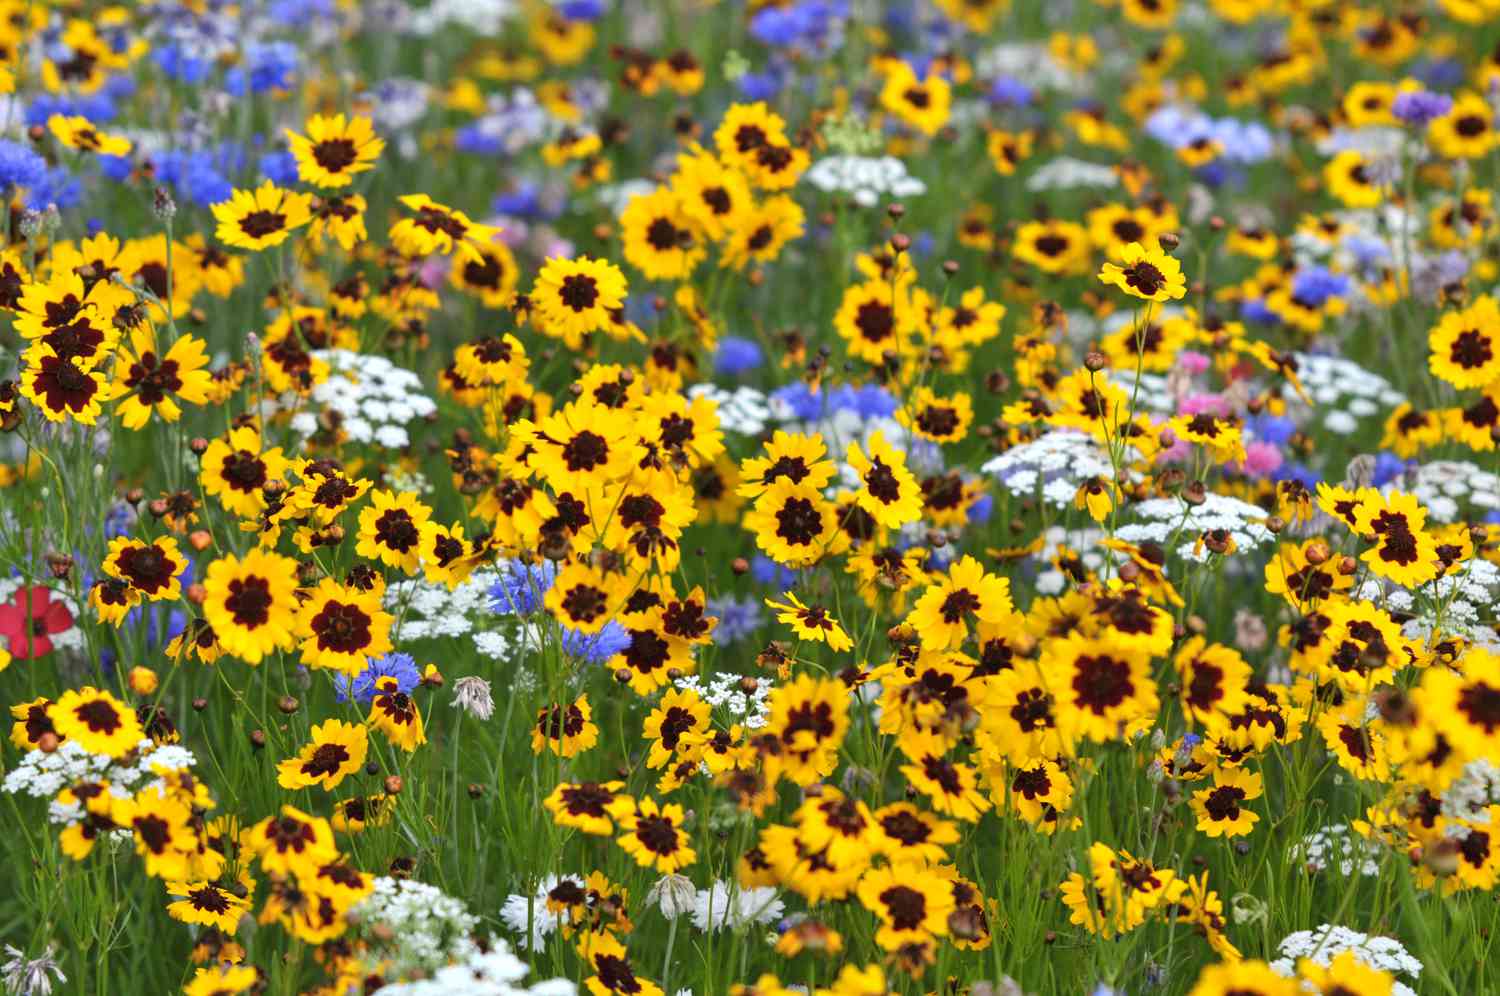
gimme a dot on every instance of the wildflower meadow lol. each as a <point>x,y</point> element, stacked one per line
<point>750,498</point>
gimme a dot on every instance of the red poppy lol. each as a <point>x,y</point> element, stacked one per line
<point>29,620</point>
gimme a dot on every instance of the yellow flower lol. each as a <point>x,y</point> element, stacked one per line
<point>437,228</point>
<point>574,297</point>
<point>653,834</point>
<point>1149,274</point>
<point>96,721</point>
<point>1221,810</point>
<point>390,530</point>
<point>888,491</point>
<point>941,616</point>
<point>251,603</point>
<point>262,218</point>
<point>334,149</point>
<point>80,133</point>
<point>924,103</point>
<point>1466,345</point>
<point>337,750</point>
<point>811,623</point>
<point>343,627</point>
<point>147,382</point>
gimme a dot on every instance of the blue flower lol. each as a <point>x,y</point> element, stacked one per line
<point>768,572</point>
<point>394,665</point>
<point>1254,309</point>
<point>98,108</point>
<point>20,166</point>
<point>1314,285</point>
<point>735,355</point>
<point>596,648</point>
<point>738,618</point>
<point>58,187</point>
<point>1418,107</point>
<point>759,86</point>
<point>1388,467</point>
<point>1271,428</point>
<point>280,168</point>
<point>1011,91</point>
<point>521,587</point>
<point>582,10</point>
<point>982,509</point>
<point>268,66</point>
<point>176,64</point>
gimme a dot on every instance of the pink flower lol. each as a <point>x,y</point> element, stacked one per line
<point>1198,404</point>
<point>1192,362</point>
<point>29,620</point>
<point>433,272</point>
<point>1262,458</point>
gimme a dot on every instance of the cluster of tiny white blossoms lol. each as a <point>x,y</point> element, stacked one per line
<point>866,179</point>
<point>1461,603</point>
<point>373,398</point>
<point>426,610</point>
<point>1163,520</point>
<point>1469,796</point>
<point>1054,465</point>
<point>727,692</point>
<point>1336,846</point>
<point>496,972</point>
<point>1448,488</point>
<point>1325,943</point>
<point>41,774</point>
<point>426,928</point>
<point>1343,391</point>
<point>1084,542</point>
<point>743,411</point>
<point>726,905</point>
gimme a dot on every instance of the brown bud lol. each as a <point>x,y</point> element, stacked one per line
<point>1216,223</point>
<point>896,211</point>
<point>198,445</point>
<point>950,267</point>
<point>966,923</point>
<point>1347,566</point>
<point>47,742</point>
<point>134,495</point>
<point>60,564</point>
<point>1275,523</point>
<point>1169,241</point>
<point>1095,361</point>
<point>196,593</point>
<point>476,790</point>
<point>199,704</point>
<point>393,784</point>
<point>996,382</point>
<point>257,739</point>
<point>901,242</point>
<point>1318,553</point>
<point>1196,625</point>
<point>200,539</point>
<point>622,675</point>
<point>1195,493</point>
<point>288,704</point>
<point>740,566</point>
<point>157,507</point>
<point>1129,571</point>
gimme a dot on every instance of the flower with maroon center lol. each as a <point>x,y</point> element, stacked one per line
<point>390,529</point>
<point>30,619</point>
<point>343,627</point>
<point>337,750</point>
<point>911,908</point>
<point>150,568</point>
<point>251,603</point>
<point>652,834</point>
<point>394,713</point>
<point>96,721</point>
<point>292,843</point>
<point>62,389</point>
<point>584,806</point>
<point>566,729</point>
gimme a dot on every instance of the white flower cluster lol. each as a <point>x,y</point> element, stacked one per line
<point>496,972</point>
<point>1085,542</point>
<point>1166,519</point>
<point>1328,941</point>
<point>724,691</point>
<point>1336,846</point>
<point>1449,488</point>
<point>483,17</point>
<point>1055,465</point>
<point>41,774</point>
<point>867,179</point>
<point>743,411</point>
<point>1472,793</point>
<point>723,905</point>
<point>1343,391</point>
<point>1029,61</point>
<point>374,398</point>
<point>1467,598</point>
<point>1067,173</point>
<point>425,609</point>
<point>427,927</point>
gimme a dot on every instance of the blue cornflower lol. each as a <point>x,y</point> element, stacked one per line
<point>1011,91</point>
<point>1418,107</point>
<point>20,166</point>
<point>759,86</point>
<point>176,64</point>
<point>268,66</point>
<point>1388,467</point>
<point>800,400</point>
<point>768,572</point>
<point>1271,428</point>
<point>280,168</point>
<point>582,10</point>
<point>58,187</point>
<point>98,108</point>
<point>1253,309</point>
<point>735,355</point>
<point>596,648</point>
<point>738,618</point>
<point>982,509</point>
<point>521,587</point>
<point>300,13</point>
<point>394,665</point>
<point>1314,285</point>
